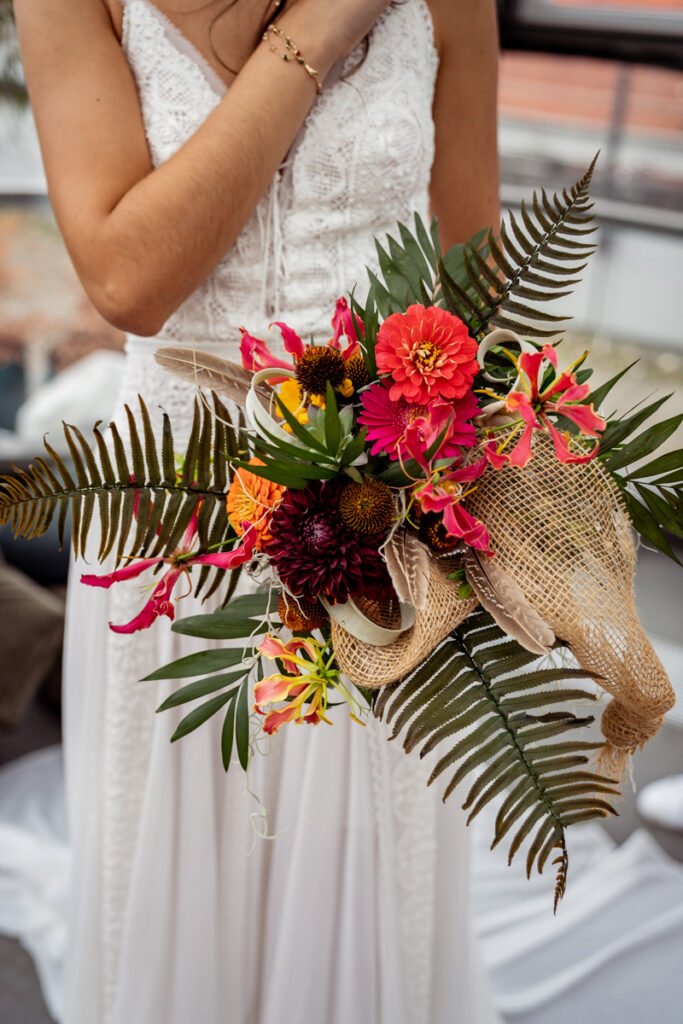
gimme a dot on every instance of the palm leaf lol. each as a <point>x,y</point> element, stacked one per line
<point>652,489</point>
<point>143,506</point>
<point>481,701</point>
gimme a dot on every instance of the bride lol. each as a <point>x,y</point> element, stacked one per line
<point>203,183</point>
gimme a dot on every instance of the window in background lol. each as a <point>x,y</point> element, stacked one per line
<point>559,107</point>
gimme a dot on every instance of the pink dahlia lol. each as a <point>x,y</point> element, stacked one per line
<point>316,554</point>
<point>388,421</point>
<point>428,353</point>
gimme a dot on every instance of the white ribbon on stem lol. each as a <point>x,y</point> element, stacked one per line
<point>501,336</point>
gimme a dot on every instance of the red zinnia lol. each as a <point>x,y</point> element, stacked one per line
<point>428,353</point>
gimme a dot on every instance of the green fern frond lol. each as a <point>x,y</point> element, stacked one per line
<point>143,505</point>
<point>536,259</point>
<point>482,702</point>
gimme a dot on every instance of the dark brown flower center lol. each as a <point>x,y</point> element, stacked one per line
<point>317,531</point>
<point>318,366</point>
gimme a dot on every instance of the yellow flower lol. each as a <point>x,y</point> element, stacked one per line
<point>291,396</point>
<point>307,674</point>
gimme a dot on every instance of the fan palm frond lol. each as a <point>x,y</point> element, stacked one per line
<point>144,502</point>
<point>482,702</point>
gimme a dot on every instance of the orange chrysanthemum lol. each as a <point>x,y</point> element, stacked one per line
<point>428,354</point>
<point>252,500</point>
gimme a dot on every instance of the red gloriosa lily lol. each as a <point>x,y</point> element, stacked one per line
<point>444,494</point>
<point>256,354</point>
<point>563,397</point>
<point>346,324</point>
<point>178,564</point>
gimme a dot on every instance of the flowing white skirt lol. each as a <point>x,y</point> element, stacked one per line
<point>353,909</point>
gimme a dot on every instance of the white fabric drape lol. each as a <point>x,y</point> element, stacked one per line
<point>613,953</point>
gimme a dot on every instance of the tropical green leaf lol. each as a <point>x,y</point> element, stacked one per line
<point>198,664</point>
<point>200,715</point>
<point>244,616</point>
<point>310,442</point>
<point>288,474</point>
<point>332,424</point>
<point>486,707</point>
<point>212,627</point>
<point>240,609</point>
<point>599,394</point>
<point>228,733</point>
<point>653,492</point>
<point>668,467</point>
<point>242,725</point>
<point>643,445</point>
<point>200,688</point>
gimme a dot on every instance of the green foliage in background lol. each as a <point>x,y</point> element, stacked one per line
<point>12,88</point>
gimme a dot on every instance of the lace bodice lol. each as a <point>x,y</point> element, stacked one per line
<point>361,162</point>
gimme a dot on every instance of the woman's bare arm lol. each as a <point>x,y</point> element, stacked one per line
<point>465,183</point>
<point>142,240</point>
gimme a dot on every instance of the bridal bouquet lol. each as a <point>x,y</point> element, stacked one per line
<point>436,518</point>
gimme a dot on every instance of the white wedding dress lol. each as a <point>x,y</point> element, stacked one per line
<point>355,909</point>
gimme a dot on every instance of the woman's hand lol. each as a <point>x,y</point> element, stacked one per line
<point>338,25</point>
<point>143,239</point>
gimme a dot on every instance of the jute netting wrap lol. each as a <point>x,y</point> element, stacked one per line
<point>562,533</point>
<point>373,667</point>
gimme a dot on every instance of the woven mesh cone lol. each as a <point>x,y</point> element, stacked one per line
<point>374,667</point>
<point>562,533</point>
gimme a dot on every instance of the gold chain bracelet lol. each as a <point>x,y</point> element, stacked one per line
<point>291,53</point>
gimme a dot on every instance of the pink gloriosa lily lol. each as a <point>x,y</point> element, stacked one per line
<point>346,324</point>
<point>533,407</point>
<point>302,686</point>
<point>179,564</point>
<point>256,354</point>
<point>444,494</point>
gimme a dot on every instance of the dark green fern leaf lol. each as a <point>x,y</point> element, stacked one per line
<point>482,703</point>
<point>536,257</point>
<point>143,505</point>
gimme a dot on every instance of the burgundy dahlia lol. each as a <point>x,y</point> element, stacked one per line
<point>316,554</point>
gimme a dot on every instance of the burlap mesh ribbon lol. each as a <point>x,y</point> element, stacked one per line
<point>562,532</point>
<point>374,667</point>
